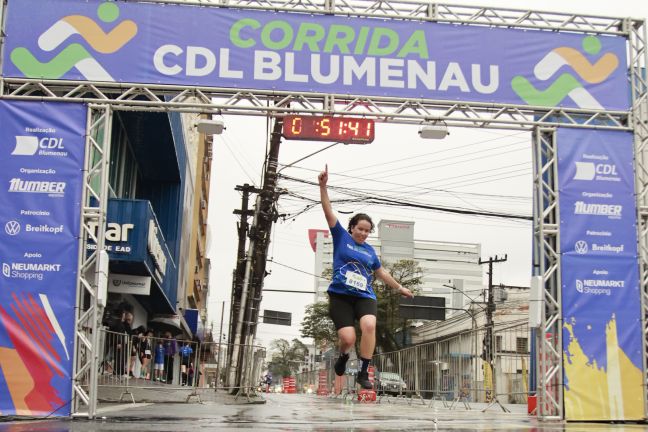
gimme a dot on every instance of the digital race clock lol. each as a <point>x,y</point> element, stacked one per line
<point>348,130</point>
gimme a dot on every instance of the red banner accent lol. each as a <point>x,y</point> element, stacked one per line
<point>312,236</point>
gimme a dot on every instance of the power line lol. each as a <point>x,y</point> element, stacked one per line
<point>296,269</point>
<point>395,202</point>
<point>424,189</point>
<point>436,153</point>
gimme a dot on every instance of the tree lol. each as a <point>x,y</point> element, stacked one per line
<point>318,326</point>
<point>286,357</point>
<point>408,273</point>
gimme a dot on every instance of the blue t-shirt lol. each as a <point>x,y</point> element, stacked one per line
<point>159,354</point>
<point>353,265</point>
<point>186,351</point>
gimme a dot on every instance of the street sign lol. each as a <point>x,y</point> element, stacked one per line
<point>276,317</point>
<point>423,308</point>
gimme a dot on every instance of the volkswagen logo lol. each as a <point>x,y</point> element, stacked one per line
<point>12,228</point>
<point>581,247</point>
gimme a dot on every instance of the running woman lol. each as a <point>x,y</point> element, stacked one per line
<point>351,295</point>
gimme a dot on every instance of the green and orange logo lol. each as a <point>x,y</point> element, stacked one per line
<point>567,85</point>
<point>76,55</point>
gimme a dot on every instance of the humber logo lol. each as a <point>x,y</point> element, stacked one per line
<point>566,84</point>
<point>75,55</point>
<point>18,185</point>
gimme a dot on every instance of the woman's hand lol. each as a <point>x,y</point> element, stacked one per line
<point>405,292</point>
<point>322,178</point>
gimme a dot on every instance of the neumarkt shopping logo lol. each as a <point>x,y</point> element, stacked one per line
<point>76,55</point>
<point>567,85</point>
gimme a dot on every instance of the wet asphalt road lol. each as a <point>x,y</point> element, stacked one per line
<point>304,413</point>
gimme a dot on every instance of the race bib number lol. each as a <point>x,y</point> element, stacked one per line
<point>356,281</point>
<point>147,352</point>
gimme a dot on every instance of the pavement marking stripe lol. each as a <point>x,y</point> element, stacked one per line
<point>121,407</point>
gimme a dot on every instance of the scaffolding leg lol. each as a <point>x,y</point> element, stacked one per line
<point>496,401</point>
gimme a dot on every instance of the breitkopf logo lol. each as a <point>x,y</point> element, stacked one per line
<point>12,228</point>
<point>581,247</point>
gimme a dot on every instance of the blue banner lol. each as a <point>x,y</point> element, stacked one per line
<point>601,298</point>
<point>133,235</point>
<point>142,43</point>
<point>41,176</point>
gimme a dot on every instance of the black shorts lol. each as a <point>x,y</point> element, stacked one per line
<point>345,309</point>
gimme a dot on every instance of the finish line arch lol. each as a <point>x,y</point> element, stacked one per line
<point>409,83</point>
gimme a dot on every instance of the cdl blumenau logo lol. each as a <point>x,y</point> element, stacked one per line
<point>589,171</point>
<point>47,146</point>
<point>564,71</point>
<point>60,36</point>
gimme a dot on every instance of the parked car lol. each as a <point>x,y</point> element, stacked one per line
<point>390,383</point>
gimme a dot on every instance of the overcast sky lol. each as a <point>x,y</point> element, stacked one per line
<point>468,165</point>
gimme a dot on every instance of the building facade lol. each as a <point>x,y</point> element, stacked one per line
<point>156,172</point>
<point>196,282</point>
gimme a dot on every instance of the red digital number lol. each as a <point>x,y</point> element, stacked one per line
<point>328,128</point>
<point>296,125</point>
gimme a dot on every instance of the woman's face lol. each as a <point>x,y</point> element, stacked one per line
<point>361,231</point>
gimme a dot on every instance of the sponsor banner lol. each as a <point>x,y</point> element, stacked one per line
<point>41,175</point>
<point>600,294</point>
<point>602,338</point>
<point>40,162</point>
<point>129,284</point>
<point>141,43</point>
<point>597,202</point>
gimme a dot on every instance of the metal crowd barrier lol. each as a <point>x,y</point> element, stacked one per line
<point>129,370</point>
<point>451,371</point>
<point>454,370</point>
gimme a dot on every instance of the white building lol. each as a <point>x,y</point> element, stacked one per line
<point>443,264</point>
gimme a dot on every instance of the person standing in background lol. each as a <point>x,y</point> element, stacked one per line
<point>170,350</point>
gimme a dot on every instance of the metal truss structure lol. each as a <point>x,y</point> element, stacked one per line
<point>224,101</point>
<point>638,59</point>
<point>546,216</point>
<point>89,303</point>
<point>104,97</point>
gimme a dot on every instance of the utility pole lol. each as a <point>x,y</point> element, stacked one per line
<point>265,215</point>
<point>239,272</point>
<point>261,232</point>
<point>488,340</point>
